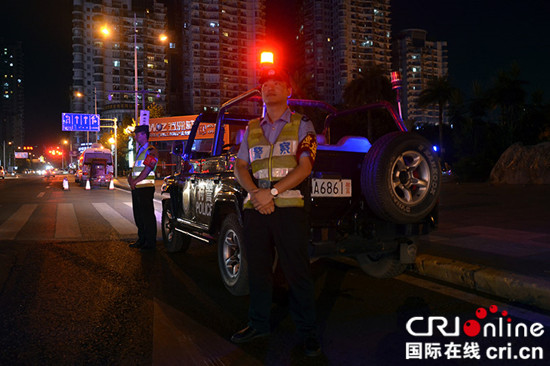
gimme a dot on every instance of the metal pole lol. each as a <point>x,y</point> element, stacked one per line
<point>95,110</point>
<point>4,159</point>
<point>135,69</point>
<point>116,149</point>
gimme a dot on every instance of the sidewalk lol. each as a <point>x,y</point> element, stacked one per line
<point>494,239</point>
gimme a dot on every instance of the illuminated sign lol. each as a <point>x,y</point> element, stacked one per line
<point>79,122</point>
<point>178,128</point>
<point>21,154</point>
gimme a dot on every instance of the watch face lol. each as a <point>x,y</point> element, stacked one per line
<point>274,191</point>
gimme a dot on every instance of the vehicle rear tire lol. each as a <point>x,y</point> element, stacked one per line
<point>231,257</point>
<point>381,265</point>
<point>401,177</point>
<point>174,241</point>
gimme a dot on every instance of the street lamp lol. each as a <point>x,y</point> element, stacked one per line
<point>113,141</point>
<point>163,38</point>
<point>79,94</point>
<point>106,32</point>
<point>65,142</point>
<point>4,159</point>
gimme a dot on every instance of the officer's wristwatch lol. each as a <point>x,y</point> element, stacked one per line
<point>274,192</point>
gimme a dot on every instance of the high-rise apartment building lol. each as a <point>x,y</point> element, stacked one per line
<point>104,64</point>
<point>219,44</point>
<point>419,61</point>
<point>11,98</point>
<point>339,37</point>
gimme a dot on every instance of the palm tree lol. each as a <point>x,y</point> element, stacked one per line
<point>509,96</point>
<point>438,91</point>
<point>371,85</point>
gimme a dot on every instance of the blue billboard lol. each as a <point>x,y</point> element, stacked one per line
<point>79,122</point>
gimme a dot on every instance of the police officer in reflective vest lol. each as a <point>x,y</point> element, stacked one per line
<point>142,183</point>
<point>280,149</point>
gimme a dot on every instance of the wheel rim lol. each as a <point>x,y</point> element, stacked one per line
<point>410,177</point>
<point>168,231</point>
<point>231,254</point>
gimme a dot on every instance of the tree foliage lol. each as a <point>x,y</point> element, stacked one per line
<point>483,122</point>
<point>438,91</point>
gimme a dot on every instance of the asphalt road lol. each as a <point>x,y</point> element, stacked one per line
<point>96,301</point>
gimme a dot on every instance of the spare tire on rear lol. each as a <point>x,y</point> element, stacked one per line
<point>401,177</point>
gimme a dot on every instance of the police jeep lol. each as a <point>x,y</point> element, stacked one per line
<point>366,198</point>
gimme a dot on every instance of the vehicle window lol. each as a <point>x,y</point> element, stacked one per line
<point>203,146</point>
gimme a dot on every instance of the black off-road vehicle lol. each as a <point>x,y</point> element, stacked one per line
<point>366,200</point>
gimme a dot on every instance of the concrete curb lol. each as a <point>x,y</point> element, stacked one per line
<point>508,285</point>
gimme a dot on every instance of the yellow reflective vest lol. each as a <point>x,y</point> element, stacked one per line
<point>138,167</point>
<point>272,162</point>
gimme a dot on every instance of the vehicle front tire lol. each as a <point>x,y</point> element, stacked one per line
<point>231,257</point>
<point>401,177</point>
<point>174,241</point>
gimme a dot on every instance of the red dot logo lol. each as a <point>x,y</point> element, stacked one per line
<point>481,313</point>
<point>493,308</point>
<point>504,313</point>
<point>472,328</point>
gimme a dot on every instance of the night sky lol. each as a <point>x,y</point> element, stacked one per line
<point>483,36</point>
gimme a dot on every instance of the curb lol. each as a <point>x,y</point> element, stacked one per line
<point>520,288</point>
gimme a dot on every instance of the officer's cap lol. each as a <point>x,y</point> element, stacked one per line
<point>273,73</point>
<point>142,128</point>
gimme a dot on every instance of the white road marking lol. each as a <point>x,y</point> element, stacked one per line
<point>158,214</point>
<point>40,195</point>
<point>66,223</point>
<point>121,225</point>
<point>11,226</point>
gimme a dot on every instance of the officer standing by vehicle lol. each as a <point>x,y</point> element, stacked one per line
<point>142,183</point>
<point>280,148</point>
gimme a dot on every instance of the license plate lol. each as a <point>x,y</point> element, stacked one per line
<point>330,187</point>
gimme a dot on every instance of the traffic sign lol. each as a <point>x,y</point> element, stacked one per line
<point>79,122</point>
<point>144,117</point>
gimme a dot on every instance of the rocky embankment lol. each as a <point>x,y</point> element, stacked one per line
<point>521,164</point>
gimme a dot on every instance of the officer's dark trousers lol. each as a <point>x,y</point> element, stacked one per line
<point>144,216</point>
<point>286,229</point>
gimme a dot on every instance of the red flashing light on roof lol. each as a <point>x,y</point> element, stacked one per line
<point>266,57</point>
<point>395,79</point>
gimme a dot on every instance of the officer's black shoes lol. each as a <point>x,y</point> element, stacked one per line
<point>247,334</point>
<point>137,244</point>
<point>312,347</point>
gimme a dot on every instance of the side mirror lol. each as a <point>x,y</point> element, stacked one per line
<point>177,148</point>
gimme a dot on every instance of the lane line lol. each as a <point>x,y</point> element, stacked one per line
<point>66,223</point>
<point>117,221</point>
<point>15,223</point>
<point>40,195</point>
